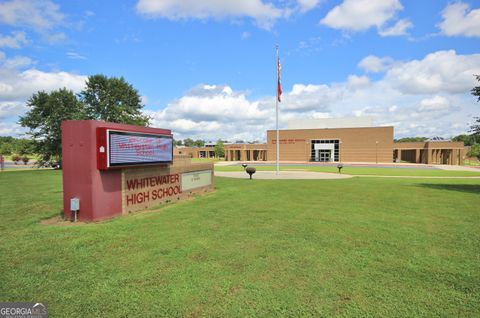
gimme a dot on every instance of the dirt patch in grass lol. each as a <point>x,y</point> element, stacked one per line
<point>60,221</point>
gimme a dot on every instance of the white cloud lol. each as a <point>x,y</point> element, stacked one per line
<point>435,103</point>
<point>375,64</point>
<point>311,97</point>
<point>75,56</point>
<point>17,84</point>
<point>360,15</point>
<point>307,5</point>
<point>400,28</point>
<point>457,20</point>
<point>356,82</point>
<point>21,85</point>
<point>392,108</point>
<point>263,13</point>
<point>16,62</point>
<point>15,41</point>
<point>8,109</point>
<point>443,108</point>
<point>442,71</point>
<point>11,129</point>
<point>35,14</point>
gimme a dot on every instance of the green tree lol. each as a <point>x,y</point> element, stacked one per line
<point>468,140</point>
<point>411,139</point>
<point>24,147</point>
<point>5,149</point>
<point>47,111</point>
<point>475,128</point>
<point>220,149</point>
<point>199,143</point>
<point>189,142</point>
<point>474,151</point>
<point>112,99</point>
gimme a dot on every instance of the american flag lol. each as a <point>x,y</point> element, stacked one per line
<point>279,84</point>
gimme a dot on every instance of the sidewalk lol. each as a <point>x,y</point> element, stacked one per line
<point>354,164</point>
<point>286,175</point>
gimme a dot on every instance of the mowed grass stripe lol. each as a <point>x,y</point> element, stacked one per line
<point>354,247</point>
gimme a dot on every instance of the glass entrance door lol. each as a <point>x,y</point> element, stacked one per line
<point>324,155</point>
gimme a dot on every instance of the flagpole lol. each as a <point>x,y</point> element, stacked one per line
<point>276,110</point>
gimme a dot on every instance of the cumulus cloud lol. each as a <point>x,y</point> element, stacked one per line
<point>18,81</point>
<point>428,97</point>
<point>304,98</point>
<point>34,14</point>
<point>357,82</point>
<point>264,14</point>
<point>459,21</point>
<point>442,71</point>
<point>14,41</point>
<point>16,62</point>
<point>9,109</point>
<point>15,85</point>
<point>435,103</point>
<point>307,5</point>
<point>399,28</point>
<point>375,64</point>
<point>11,129</point>
<point>360,15</point>
<point>210,111</point>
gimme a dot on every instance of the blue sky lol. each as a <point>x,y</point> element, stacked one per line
<point>206,69</point>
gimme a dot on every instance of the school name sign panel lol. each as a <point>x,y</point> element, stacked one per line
<point>147,187</point>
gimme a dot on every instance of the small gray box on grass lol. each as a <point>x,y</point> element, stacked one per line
<point>74,204</point>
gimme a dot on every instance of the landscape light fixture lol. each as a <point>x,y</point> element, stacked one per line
<point>339,167</point>
<point>250,171</point>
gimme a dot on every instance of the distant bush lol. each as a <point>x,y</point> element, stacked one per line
<point>474,151</point>
<point>25,160</point>
<point>16,159</point>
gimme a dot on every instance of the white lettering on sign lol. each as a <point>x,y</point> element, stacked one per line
<point>196,179</point>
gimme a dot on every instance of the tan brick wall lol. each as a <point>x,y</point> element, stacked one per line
<point>357,144</point>
<point>245,152</point>
<point>431,152</point>
<point>194,152</point>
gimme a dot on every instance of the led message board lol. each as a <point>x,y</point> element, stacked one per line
<point>118,148</point>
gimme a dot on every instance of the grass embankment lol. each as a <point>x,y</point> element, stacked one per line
<point>353,247</point>
<point>361,170</point>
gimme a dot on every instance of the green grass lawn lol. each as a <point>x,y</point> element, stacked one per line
<point>362,170</point>
<point>471,163</point>
<point>354,247</point>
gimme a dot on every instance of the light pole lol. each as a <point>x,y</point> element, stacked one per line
<point>376,152</point>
